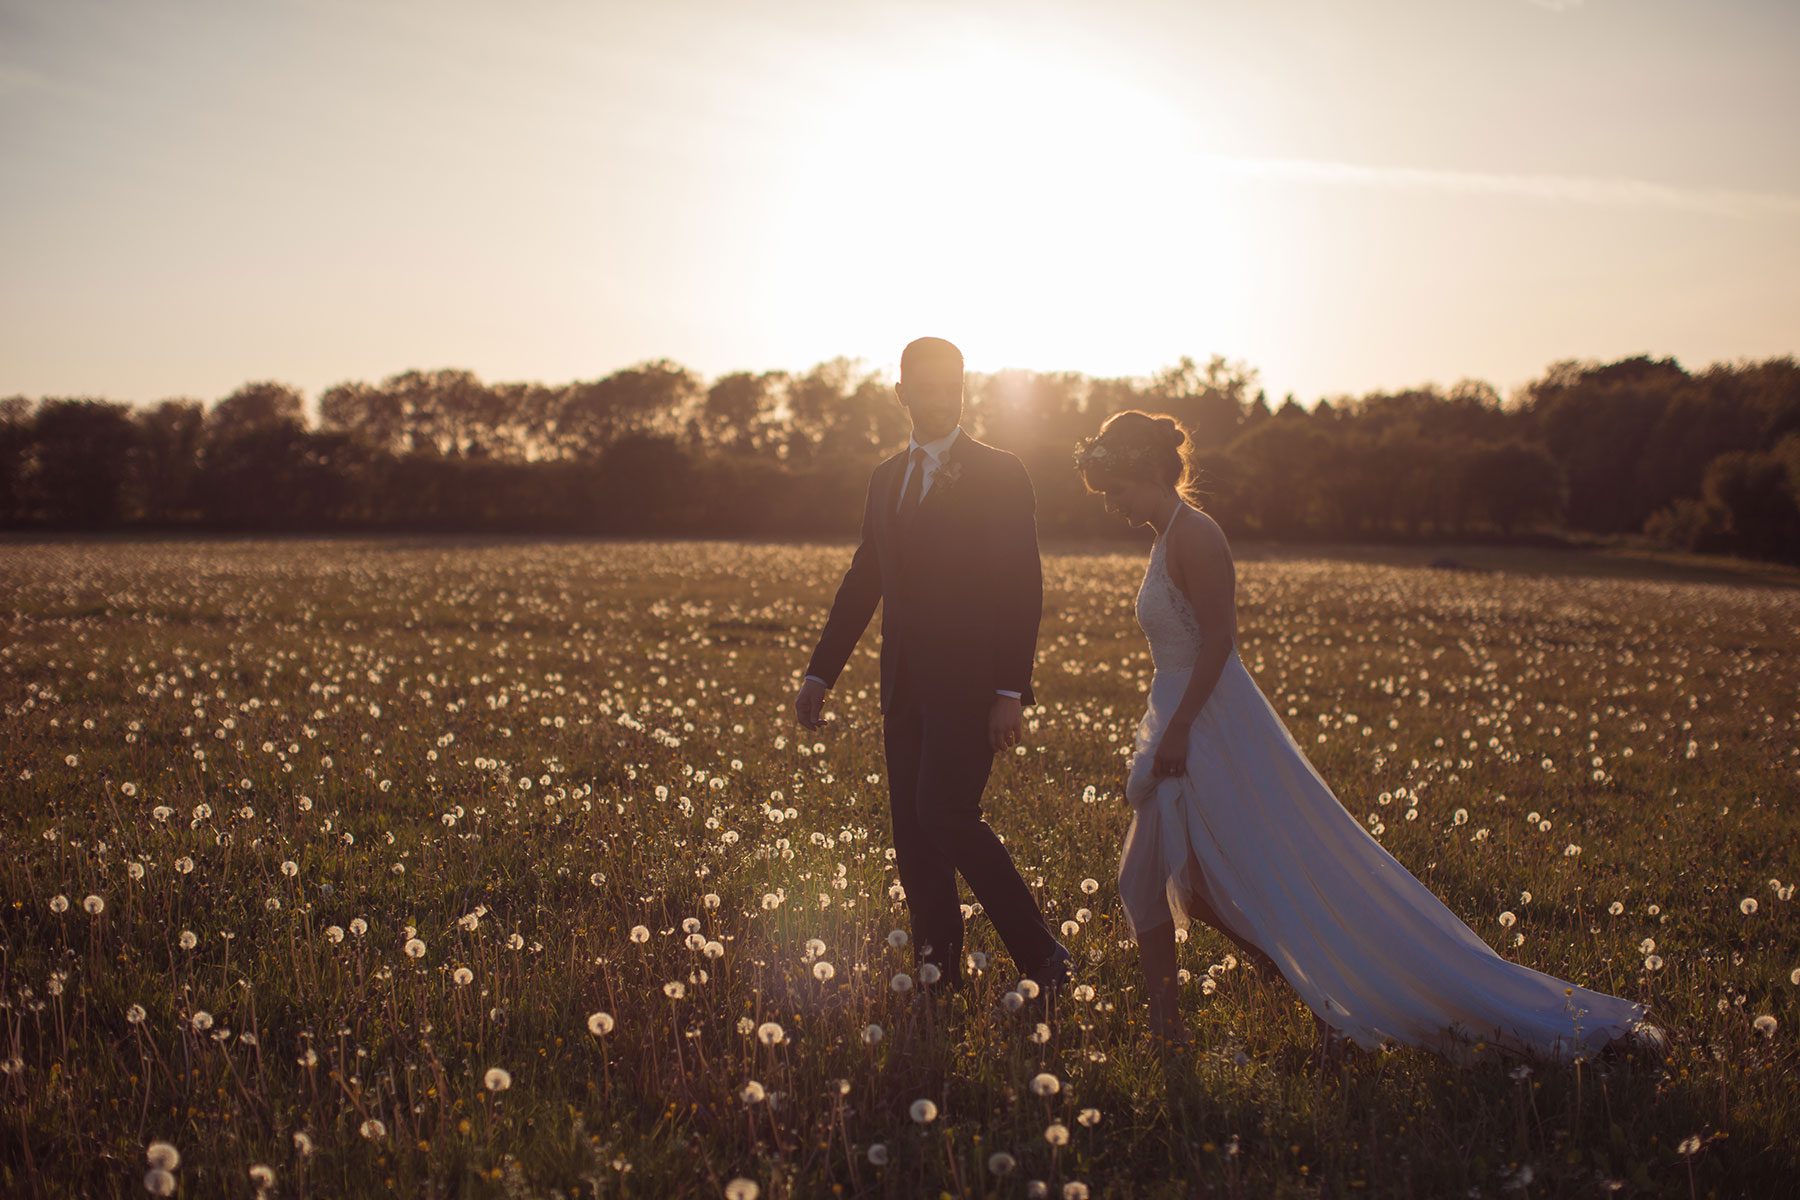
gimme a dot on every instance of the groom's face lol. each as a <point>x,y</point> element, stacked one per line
<point>932,396</point>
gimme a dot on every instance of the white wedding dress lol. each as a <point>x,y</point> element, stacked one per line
<point>1253,828</point>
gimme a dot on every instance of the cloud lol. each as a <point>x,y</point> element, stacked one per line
<point>1631,193</point>
<point>16,77</point>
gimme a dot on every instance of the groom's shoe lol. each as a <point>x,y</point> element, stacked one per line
<point>1054,971</point>
<point>1050,976</point>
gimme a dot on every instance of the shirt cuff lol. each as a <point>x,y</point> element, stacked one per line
<point>1014,695</point>
<point>816,679</point>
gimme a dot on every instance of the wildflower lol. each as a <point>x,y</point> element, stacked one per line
<point>600,1023</point>
<point>1075,1190</point>
<point>897,938</point>
<point>159,1182</point>
<point>1045,1084</point>
<point>463,977</point>
<point>929,973</point>
<point>871,1034</point>
<point>674,989</point>
<point>373,1129</point>
<point>878,1154</point>
<point>1507,919</point>
<point>1088,1117</point>
<point>901,982</point>
<point>770,1034</point>
<point>1690,1145</point>
<point>1615,908</point>
<point>823,971</point>
<point>334,934</point>
<point>1748,905</point>
<point>262,1176</point>
<point>1056,1133</point>
<point>1653,962</point>
<point>135,1014</point>
<point>1012,1001</point>
<point>497,1079</point>
<point>1090,886</point>
<point>639,934</point>
<point>59,904</point>
<point>94,905</point>
<point>753,1093</point>
<point>188,940</point>
<point>162,1154</point>
<point>923,1112</point>
<point>1001,1164</point>
<point>1765,1025</point>
<point>415,948</point>
<point>742,1189</point>
<point>201,1020</point>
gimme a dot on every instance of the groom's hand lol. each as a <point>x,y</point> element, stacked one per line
<point>1006,722</point>
<point>809,704</point>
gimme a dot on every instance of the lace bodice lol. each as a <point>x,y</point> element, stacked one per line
<point>1163,611</point>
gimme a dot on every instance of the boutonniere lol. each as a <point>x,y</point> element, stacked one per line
<point>946,476</point>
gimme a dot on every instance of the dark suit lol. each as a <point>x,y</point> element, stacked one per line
<point>961,593</point>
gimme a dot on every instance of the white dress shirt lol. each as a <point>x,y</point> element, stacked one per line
<point>934,458</point>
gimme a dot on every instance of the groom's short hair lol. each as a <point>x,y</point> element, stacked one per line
<point>930,352</point>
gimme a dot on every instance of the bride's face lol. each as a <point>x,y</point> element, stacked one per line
<point>1134,499</point>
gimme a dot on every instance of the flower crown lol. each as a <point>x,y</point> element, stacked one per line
<point>1092,452</point>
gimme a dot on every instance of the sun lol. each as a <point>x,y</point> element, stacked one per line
<point>1035,208</point>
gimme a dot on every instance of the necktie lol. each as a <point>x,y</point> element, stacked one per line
<point>915,486</point>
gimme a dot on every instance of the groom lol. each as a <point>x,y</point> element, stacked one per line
<point>949,549</point>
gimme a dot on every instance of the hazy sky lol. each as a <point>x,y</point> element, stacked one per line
<point>1345,195</point>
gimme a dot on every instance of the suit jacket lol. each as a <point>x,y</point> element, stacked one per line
<point>961,588</point>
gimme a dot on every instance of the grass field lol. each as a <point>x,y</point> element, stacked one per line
<point>440,868</point>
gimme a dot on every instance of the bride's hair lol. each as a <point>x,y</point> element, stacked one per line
<point>1133,445</point>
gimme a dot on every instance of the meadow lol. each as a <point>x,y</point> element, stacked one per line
<point>437,867</point>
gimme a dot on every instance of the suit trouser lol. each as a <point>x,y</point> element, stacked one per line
<point>938,761</point>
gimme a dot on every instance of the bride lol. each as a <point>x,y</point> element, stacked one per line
<point>1232,824</point>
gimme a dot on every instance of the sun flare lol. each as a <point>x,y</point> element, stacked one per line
<point>1011,205</point>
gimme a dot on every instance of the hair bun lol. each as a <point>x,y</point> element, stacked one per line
<point>1173,434</point>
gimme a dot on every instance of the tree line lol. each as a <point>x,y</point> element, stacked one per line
<point>1706,461</point>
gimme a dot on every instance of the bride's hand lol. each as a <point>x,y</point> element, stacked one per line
<point>1171,753</point>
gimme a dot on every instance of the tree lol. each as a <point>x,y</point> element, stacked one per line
<point>81,452</point>
<point>1514,483</point>
<point>167,460</point>
<point>15,457</point>
<point>1757,493</point>
<point>1208,403</point>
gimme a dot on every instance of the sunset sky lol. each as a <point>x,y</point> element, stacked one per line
<point>1345,195</point>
